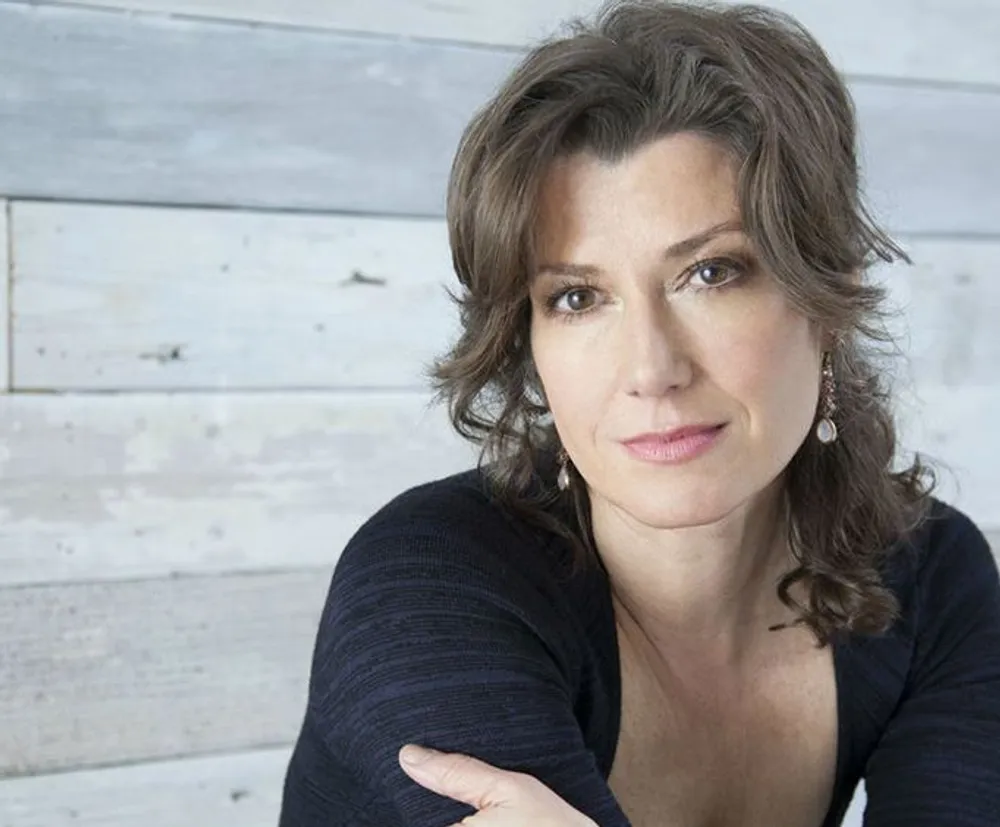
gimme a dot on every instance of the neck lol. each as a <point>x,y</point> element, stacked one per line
<point>709,588</point>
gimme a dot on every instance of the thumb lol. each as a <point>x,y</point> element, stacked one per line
<point>460,777</point>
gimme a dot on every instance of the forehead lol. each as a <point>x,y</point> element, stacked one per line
<point>673,186</point>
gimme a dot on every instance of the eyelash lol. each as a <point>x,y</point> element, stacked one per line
<point>739,266</point>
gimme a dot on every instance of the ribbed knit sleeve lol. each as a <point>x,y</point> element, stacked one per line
<point>937,763</point>
<point>432,636</point>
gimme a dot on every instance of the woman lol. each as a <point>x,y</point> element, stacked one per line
<point>686,585</point>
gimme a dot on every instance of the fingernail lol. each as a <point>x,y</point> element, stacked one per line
<point>414,756</point>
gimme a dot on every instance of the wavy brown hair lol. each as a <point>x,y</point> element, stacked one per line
<point>754,81</point>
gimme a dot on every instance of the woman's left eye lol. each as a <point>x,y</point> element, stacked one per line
<point>715,273</point>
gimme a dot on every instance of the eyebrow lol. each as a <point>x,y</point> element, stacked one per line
<point>679,249</point>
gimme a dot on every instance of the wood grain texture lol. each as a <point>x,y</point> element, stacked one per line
<point>142,298</point>
<point>947,303</point>
<point>148,109</point>
<point>153,109</point>
<point>954,429</point>
<point>936,39</point>
<point>105,488</point>
<point>5,287</point>
<point>218,791</point>
<point>126,298</point>
<point>102,673</point>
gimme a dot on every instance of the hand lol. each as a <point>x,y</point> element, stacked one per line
<point>503,799</point>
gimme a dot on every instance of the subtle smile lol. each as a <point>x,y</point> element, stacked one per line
<point>675,446</point>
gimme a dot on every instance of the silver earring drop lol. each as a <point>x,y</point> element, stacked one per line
<point>562,479</point>
<point>826,428</point>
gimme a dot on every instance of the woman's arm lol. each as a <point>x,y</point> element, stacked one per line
<point>432,639</point>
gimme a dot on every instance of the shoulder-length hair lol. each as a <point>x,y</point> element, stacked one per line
<point>754,81</point>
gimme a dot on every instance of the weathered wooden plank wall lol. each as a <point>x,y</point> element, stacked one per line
<point>216,372</point>
<point>937,40</point>
<point>101,487</point>
<point>158,668</point>
<point>226,790</point>
<point>5,285</point>
<point>313,120</point>
<point>244,300</point>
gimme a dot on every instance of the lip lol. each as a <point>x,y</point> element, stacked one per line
<point>676,445</point>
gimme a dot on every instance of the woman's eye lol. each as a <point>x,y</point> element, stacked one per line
<point>576,300</point>
<point>715,273</point>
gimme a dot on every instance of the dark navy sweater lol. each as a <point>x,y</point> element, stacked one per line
<point>452,625</point>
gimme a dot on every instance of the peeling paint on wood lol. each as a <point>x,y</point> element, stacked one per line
<point>106,487</point>
<point>102,673</point>
<point>5,277</point>
<point>223,790</point>
<point>113,298</point>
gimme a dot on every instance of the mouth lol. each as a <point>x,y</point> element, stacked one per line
<point>676,445</point>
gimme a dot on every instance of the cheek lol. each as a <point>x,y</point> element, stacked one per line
<point>572,373</point>
<point>560,368</point>
<point>773,366</point>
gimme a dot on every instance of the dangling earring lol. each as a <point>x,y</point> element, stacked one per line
<point>826,428</point>
<point>562,479</point>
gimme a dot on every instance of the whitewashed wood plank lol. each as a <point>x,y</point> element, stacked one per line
<point>955,428</point>
<point>513,23</point>
<point>854,817</point>
<point>220,791</point>
<point>156,110</point>
<point>5,285</point>
<point>907,162</point>
<point>106,673</point>
<point>153,109</point>
<point>143,298</point>
<point>947,304</point>
<point>104,487</point>
<point>251,300</point>
<point>936,39</point>
<point>940,40</point>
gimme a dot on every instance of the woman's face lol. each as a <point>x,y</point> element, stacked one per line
<point>651,314</point>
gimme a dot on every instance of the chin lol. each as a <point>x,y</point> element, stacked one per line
<point>675,509</point>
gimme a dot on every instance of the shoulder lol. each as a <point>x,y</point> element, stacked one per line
<point>933,758</point>
<point>449,504</point>
<point>945,572</point>
<point>449,541</point>
<point>442,578</point>
<point>946,543</point>
<point>455,520</point>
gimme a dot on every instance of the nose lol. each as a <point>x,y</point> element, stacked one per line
<point>654,359</point>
